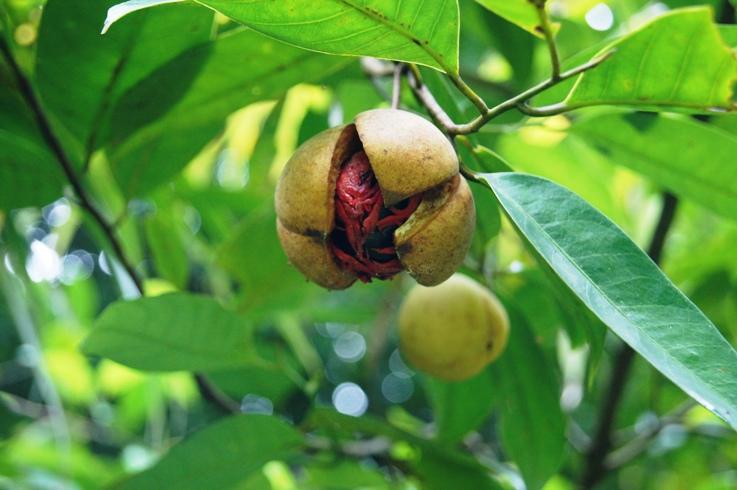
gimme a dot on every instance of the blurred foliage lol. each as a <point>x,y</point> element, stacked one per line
<point>179,121</point>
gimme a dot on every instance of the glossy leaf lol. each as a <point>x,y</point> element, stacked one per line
<point>222,455</point>
<point>418,32</point>
<point>677,60</point>
<point>532,424</point>
<point>171,333</point>
<point>69,36</point>
<point>520,12</point>
<point>624,288</point>
<point>164,120</point>
<point>693,159</point>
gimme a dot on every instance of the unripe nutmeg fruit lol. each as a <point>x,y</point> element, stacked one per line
<point>369,199</point>
<point>452,331</point>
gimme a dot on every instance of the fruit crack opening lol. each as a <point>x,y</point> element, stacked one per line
<point>363,238</point>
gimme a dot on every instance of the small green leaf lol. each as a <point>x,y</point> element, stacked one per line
<point>624,288</point>
<point>693,159</point>
<point>532,424</point>
<point>417,32</point>
<point>677,60</point>
<point>171,333</point>
<point>169,254</point>
<point>222,455</point>
<point>520,12</point>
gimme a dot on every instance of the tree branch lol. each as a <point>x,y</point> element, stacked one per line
<point>207,390</point>
<point>427,100</point>
<point>595,468</point>
<point>546,29</point>
<point>45,128</point>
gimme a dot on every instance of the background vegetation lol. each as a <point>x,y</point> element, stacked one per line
<point>145,297</point>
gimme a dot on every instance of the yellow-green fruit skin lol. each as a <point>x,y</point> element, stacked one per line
<point>453,330</point>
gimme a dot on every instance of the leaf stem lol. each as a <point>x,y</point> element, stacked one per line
<point>546,29</point>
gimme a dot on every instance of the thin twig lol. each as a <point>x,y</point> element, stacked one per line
<point>397,85</point>
<point>639,444</point>
<point>44,126</point>
<point>546,29</point>
<point>426,98</point>
<point>595,467</point>
<point>208,391</point>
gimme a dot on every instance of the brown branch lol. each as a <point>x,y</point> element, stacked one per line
<point>45,128</point>
<point>595,468</point>
<point>520,101</point>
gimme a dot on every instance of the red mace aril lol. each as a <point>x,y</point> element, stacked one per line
<point>370,199</point>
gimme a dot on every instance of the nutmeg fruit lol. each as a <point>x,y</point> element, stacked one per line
<point>372,198</point>
<point>454,330</point>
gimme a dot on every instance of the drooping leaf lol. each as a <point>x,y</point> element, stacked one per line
<point>223,455</point>
<point>624,288</point>
<point>164,120</point>
<point>532,423</point>
<point>417,32</point>
<point>520,12</point>
<point>677,60</point>
<point>170,333</point>
<point>692,159</point>
<point>168,253</point>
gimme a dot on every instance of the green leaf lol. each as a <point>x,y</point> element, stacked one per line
<point>459,408</point>
<point>624,288</point>
<point>417,32</point>
<point>520,12</point>
<point>222,455</point>
<point>169,255</point>
<point>532,424</point>
<point>29,173</point>
<point>729,34</point>
<point>79,72</point>
<point>170,333</point>
<point>164,120</point>
<point>677,60</point>
<point>693,159</point>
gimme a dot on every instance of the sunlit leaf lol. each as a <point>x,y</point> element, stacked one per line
<point>520,12</point>
<point>222,455</point>
<point>171,332</point>
<point>677,60</point>
<point>419,32</point>
<point>624,288</point>
<point>693,159</point>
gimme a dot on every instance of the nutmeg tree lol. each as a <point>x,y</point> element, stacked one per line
<point>328,244</point>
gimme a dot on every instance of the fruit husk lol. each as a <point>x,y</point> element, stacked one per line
<point>433,242</point>
<point>305,193</point>
<point>408,154</point>
<point>312,256</point>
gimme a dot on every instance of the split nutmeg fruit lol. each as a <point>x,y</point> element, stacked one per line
<point>372,198</point>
